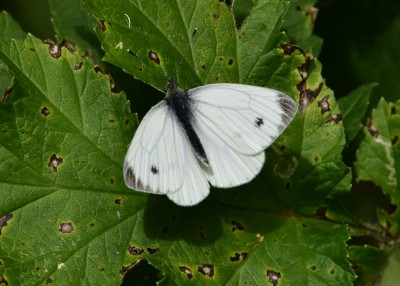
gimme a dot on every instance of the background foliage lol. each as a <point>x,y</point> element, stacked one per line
<point>65,122</point>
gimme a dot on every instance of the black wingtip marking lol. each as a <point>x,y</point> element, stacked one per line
<point>289,108</point>
<point>130,178</point>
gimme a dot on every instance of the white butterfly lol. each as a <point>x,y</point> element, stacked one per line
<point>214,134</point>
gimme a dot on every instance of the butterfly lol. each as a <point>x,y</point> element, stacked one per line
<point>213,134</point>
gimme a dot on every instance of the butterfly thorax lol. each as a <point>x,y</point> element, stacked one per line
<point>181,105</point>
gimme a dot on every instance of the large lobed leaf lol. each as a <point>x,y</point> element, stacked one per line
<point>378,157</point>
<point>68,219</point>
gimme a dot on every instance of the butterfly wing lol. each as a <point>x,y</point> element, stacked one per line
<point>154,161</point>
<point>235,123</point>
<point>247,118</point>
<point>195,186</point>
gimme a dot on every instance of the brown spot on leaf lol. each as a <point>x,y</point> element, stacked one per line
<point>69,45</point>
<point>153,249</point>
<point>3,281</point>
<point>203,66</point>
<point>313,13</point>
<point>334,118</point>
<point>371,128</point>
<point>333,271</point>
<point>66,227</point>
<point>273,277</point>
<point>206,269</point>
<point>98,68</point>
<point>313,268</point>
<point>54,49</point>
<point>49,281</point>
<point>4,219</point>
<point>289,49</point>
<point>230,62</point>
<point>133,250</point>
<point>117,201</point>
<point>6,92</point>
<point>125,269</point>
<point>45,111</point>
<point>324,104</point>
<point>187,271</point>
<point>393,110</point>
<point>237,226</point>
<point>78,65</point>
<point>54,162</point>
<point>307,95</point>
<point>216,16</point>
<point>395,139</point>
<point>102,25</point>
<point>153,56</point>
<point>238,257</point>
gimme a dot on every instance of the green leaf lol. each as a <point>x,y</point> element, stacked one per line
<point>368,262</point>
<point>64,136</point>
<point>74,24</point>
<point>193,43</point>
<point>9,29</point>
<point>354,108</point>
<point>390,275</point>
<point>250,55</point>
<point>299,25</point>
<point>378,156</point>
<point>73,221</point>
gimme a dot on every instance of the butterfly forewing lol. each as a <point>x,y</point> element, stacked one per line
<point>155,157</point>
<point>247,118</point>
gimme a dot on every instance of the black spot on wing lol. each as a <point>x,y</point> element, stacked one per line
<point>154,170</point>
<point>259,121</point>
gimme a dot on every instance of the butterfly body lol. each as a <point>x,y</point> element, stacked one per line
<point>213,134</point>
